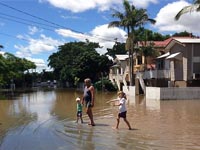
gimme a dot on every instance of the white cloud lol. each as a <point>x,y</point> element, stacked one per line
<point>143,3</point>
<point>33,30</point>
<point>2,53</point>
<point>188,22</point>
<point>38,62</point>
<point>101,5</point>
<point>101,34</point>
<point>71,34</point>
<point>105,36</point>
<point>36,46</point>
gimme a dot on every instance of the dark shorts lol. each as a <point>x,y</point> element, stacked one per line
<point>122,114</point>
<point>88,104</point>
<point>79,114</point>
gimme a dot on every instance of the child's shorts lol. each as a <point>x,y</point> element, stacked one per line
<point>79,114</point>
<point>122,114</point>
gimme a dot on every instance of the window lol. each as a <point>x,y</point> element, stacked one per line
<point>160,64</point>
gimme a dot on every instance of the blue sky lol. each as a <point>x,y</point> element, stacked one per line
<point>33,29</point>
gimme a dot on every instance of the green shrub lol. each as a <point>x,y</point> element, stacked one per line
<point>105,85</point>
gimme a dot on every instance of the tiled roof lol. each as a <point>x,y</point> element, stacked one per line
<point>167,41</point>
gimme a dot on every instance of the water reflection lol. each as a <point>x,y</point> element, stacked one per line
<point>46,120</point>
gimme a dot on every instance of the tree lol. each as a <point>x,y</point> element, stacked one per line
<point>130,20</point>
<point>181,34</point>
<point>143,34</point>
<point>193,7</point>
<point>77,61</point>
<point>12,67</point>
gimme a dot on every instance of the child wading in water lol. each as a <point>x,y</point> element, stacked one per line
<point>122,109</point>
<point>79,110</point>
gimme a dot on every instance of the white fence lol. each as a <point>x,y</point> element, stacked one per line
<point>173,93</point>
<point>156,74</point>
<point>169,93</point>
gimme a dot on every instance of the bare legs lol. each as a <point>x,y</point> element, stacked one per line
<point>90,115</point>
<point>80,118</point>
<point>125,120</point>
<point>117,123</point>
<point>128,124</point>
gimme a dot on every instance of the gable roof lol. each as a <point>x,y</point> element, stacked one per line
<point>182,41</point>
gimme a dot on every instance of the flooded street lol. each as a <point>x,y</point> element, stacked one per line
<point>45,120</point>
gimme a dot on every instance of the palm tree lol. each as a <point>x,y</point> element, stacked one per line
<point>194,7</point>
<point>130,19</point>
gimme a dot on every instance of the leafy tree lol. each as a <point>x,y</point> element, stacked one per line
<point>194,7</point>
<point>77,61</point>
<point>12,67</point>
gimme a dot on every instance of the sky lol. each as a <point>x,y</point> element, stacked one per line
<point>34,29</point>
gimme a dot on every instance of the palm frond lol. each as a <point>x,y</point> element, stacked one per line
<point>114,24</point>
<point>187,9</point>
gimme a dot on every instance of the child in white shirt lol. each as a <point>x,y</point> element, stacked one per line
<point>122,109</point>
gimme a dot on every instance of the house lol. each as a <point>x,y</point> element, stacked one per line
<point>176,74</point>
<point>119,72</point>
<point>179,66</point>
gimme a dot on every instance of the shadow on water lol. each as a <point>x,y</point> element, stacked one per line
<point>46,120</point>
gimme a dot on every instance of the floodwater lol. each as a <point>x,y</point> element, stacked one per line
<point>45,120</point>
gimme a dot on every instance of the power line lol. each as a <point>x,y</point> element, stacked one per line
<point>11,16</point>
<point>8,35</point>
<point>54,24</point>
<point>24,23</point>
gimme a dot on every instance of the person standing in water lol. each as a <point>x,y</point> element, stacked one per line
<point>122,109</point>
<point>88,99</point>
<point>79,110</point>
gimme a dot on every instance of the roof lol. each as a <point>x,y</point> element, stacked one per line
<point>194,40</point>
<point>182,41</point>
<point>164,55</point>
<point>167,41</point>
<point>175,55</point>
<point>122,57</point>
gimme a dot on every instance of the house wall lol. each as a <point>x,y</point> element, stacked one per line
<point>193,55</point>
<point>196,58</point>
<point>186,51</point>
<point>178,68</point>
<point>189,55</point>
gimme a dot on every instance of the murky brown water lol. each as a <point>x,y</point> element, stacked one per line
<point>45,120</point>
